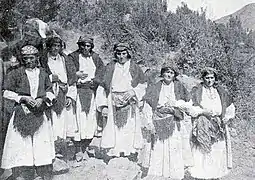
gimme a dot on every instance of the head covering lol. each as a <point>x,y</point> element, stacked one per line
<point>54,38</point>
<point>29,50</point>
<point>169,64</point>
<point>85,39</point>
<point>208,70</point>
<point>122,47</point>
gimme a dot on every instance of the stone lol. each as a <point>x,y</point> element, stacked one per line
<point>122,168</point>
<point>60,167</point>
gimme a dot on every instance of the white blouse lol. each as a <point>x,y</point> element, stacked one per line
<point>121,80</point>
<point>87,66</point>
<point>57,66</point>
<point>166,94</point>
<point>33,78</point>
<point>211,100</point>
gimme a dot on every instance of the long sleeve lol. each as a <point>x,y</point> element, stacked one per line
<point>100,70</point>
<point>230,112</point>
<point>72,92</point>
<point>49,92</point>
<point>140,90</point>
<point>10,87</point>
<point>147,112</point>
<point>11,96</point>
<point>101,99</point>
<point>70,70</point>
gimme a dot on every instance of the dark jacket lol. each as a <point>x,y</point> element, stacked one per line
<point>74,56</point>
<point>69,65</point>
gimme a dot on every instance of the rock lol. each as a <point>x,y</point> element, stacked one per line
<point>79,156</point>
<point>85,156</point>
<point>91,170</point>
<point>122,169</point>
<point>155,178</point>
<point>60,167</point>
<point>5,174</point>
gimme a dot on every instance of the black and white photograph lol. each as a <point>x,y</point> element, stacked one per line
<point>127,90</point>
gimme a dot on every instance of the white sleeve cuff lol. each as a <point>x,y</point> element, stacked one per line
<point>230,112</point>
<point>50,96</point>
<point>101,99</point>
<point>140,91</point>
<point>50,76</point>
<point>72,92</point>
<point>12,96</point>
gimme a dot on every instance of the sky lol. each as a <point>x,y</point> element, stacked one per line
<point>215,8</point>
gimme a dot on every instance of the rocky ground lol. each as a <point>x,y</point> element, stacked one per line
<point>123,169</point>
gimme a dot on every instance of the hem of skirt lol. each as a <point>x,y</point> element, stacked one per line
<point>209,177</point>
<point>79,139</point>
<point>29,165</point>
<point>171,177</point>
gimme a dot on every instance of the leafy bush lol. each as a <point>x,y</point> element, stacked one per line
<point>153,33</point>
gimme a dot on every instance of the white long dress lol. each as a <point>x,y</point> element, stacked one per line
<point>127,139</point>
<point>87,123</point>
<point>166,158</point>
<point>212,164</point>
<point>37,150</point>
<point>64,124</point>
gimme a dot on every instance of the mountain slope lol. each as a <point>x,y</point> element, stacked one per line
<point>246,15</point>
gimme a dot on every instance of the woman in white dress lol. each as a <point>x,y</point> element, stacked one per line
<point>89,71</point>
<point>29,141</point>
<point>213,108</point>
<point>61,71</point>
<point>118,99</point>
<point>161,109</point>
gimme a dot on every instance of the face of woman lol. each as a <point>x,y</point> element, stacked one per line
<point>30,61</point>
<point>209,80</point>
<point>122,56</point>
<point>55,49</point>
<point>168,76</point>
<point>85,48</point>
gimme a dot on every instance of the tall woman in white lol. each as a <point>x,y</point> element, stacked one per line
<point>61,71</point>
<point>118,99</point>
<point>213,108</point>
<point>29,141</point>
<point>161,110</point>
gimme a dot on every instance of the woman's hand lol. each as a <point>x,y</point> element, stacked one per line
<point>28,100</point>
<point>39,102</point>
<point>129,94</point>
<point>207,112</point>
<point>81,75</point>
<point>150,127</point>
<point>105,111</point>
<point>166,110</point>
<point>68,102</point>
<point>55,78</point>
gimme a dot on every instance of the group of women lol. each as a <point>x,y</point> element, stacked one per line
<point>55,96</point>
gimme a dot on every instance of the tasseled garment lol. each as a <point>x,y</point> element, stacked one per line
<point>206,132</point>
<point>164,124</point>
<point>122,109</point>
<point>28,120</point>
<point>85,94</point>
<point>61,100</point>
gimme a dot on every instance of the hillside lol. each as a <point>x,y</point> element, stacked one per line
<point>246,15</point>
